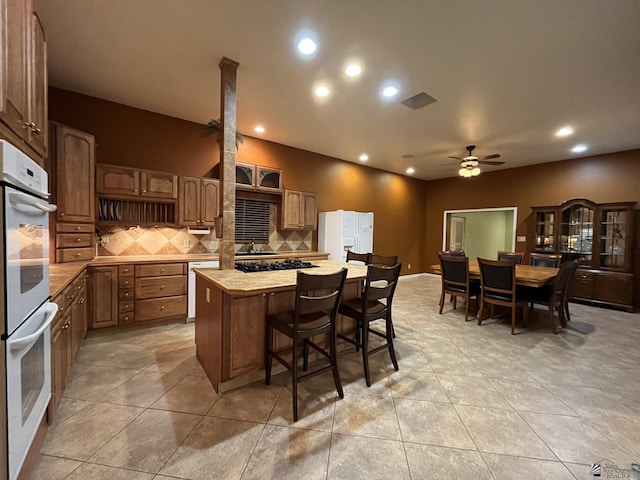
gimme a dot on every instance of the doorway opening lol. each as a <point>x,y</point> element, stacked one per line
<point>480,232</point>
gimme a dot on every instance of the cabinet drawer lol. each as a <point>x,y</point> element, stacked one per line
<point>125,282</point>
<point>152,287</point>
<point>125,270</point>
<point>74,254</point>
<point>64,240</point>
<point>125,318</point>
<point>160,308</point>
<point>583,285</point>
<point>125,293</point>
<point>126,306</point>
<point>75,228</point>
<point>157,269</point>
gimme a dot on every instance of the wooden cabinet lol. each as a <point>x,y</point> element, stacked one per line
<point>103,296</point>
<point>198,203</point>
<point>299,210</point>
<point>23,89</point>
<point>68,330</point>
<point>72,167</point>
<point>115,181</point>
<point>600,236</point>
<point>245,176</point>
<point>160,291</point>
<point>268,179</point>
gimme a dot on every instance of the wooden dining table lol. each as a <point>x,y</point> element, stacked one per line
<point>526,275</point>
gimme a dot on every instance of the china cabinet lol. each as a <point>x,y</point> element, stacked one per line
<point>597,234</point>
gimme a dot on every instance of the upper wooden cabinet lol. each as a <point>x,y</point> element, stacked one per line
<point>23,89</point>
<point>268,179</point>
<point>116,181</point>
<point>245,176</point>
<point>598,234</point>
<point>74,173</point>
<point>198,203</point>
<point>299,210</point>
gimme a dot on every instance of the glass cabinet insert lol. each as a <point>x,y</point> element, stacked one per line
<point>613,239</point>
<point>576,239</point>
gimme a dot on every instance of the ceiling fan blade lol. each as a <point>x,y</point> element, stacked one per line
<point>455,158</point>
<point>485,162</point>
<point>448,164</point>
<point>491,157</point>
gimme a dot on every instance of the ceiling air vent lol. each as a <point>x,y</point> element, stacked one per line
<point>419,101</point>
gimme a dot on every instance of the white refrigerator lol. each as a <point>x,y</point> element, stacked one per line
<point>341,231</point>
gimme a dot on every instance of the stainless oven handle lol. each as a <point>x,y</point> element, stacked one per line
<point>24,199</point>
<point>22,343</point>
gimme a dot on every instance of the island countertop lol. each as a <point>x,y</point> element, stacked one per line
<point>238,283</point>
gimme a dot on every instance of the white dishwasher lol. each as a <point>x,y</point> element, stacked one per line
<point>192,285</point>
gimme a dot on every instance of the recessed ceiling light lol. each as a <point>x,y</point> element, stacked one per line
<point>353,70</point>
<point>564,131</point>
<point>307,46</point>
<point>364,157</point>
<point>581,147</point>
<point>322,91</point>
<point>259,129</point>
<point>410,170</point>
<point>389,91</point>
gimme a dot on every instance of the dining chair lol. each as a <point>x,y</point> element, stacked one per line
<point>553,295</point>
<point>455,253</point>
<point>511,256</point>
<point>375,304</point>
<point>573,265</point>
<point>498,287</point>
<point>545,260</point>
<point>364,258</point>
<point>455,281</point>
<point>382,261</point>
<point>316,307</point>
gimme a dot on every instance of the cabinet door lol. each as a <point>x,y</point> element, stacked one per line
<point>75,183</point>
<point>188,211</point>
<point>583,285</point>
<point>209,202</point>
<point>103,296</point>
<point>158,185</point>
<point>15,18</point>
<point>614,288</point>
<point>245,333</point>
<point>291,209</point>
<point>309,212</point>
<point>58,364</point>
<point>115,180</point>
<point>38,131</point>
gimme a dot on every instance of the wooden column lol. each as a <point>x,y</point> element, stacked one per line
<point>228,69</point>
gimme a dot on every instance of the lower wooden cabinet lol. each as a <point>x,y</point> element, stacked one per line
<point>603,287</point>
<point>103,296</point>
<point>68,330</point>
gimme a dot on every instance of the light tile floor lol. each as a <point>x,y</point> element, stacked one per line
<point>469,401</point>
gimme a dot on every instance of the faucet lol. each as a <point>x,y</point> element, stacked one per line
<point>252,247</point>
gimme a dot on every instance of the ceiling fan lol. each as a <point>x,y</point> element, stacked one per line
<point>469,164</point>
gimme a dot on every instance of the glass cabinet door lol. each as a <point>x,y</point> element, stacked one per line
<point>545,233</point>
<point>613,241</point>
<point>576,239</point>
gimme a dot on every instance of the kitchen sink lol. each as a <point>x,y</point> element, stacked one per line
<point>247,254</point>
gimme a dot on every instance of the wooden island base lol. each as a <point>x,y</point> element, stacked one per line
<point>231,307</point>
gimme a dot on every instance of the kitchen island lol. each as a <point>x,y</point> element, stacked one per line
<point>231,307</point>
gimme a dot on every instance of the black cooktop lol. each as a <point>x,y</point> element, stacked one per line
<point>263,267</point>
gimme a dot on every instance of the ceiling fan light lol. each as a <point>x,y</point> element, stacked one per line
<point>475,171</point>
<point>464,172</point>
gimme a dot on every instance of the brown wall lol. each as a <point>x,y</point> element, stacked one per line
<point>132,137</point>
<point>604,178</point>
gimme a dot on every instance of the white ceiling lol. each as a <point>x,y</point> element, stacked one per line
<point>506,73</point>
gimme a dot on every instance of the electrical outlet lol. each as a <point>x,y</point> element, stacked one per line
<point>186,243</point>
<point>409,266</point>
<point>521,238</point>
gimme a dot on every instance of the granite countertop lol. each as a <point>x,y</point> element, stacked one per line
<point>239,283</point>
<point>62,274</point>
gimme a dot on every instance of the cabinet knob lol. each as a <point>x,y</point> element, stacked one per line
<point>126,294</point>
<point>78,254</point>
<point>36,129</point>
<point>126,305</point>
<point>144,191</point>
<point>135,189</point>
<point>126,319</point>
<point>264,294</point>
<point>162,270</point>
<point>161,307</point>
<point>62,214</point>
<point>78,239</point>
<point>161,287</point>
<point>126,270</point>
<point>78,227</point>
<point>272,294</point>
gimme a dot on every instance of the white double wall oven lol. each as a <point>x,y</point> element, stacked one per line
<point>27,310</point>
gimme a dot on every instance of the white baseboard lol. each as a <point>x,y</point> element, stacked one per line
<point>413,275</point>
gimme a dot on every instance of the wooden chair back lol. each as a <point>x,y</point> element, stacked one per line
<point>516,257</point>
<point>545,260</point>
<point>381,260</point>
<point>365,258</point>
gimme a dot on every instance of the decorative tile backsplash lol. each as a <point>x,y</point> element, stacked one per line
<point>171,241</point>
